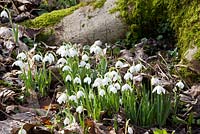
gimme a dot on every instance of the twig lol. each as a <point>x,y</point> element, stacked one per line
<point>7,115</point>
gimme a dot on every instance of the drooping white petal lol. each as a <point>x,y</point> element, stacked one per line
<point>180,85</point>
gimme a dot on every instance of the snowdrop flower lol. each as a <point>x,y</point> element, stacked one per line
<point>49,58</point>
<point>21,56</point>
<point>159,89</point>
<point>106,80</point>
<point>97,43</point>
<point>97,82</point>
<point>37,57</point>
<point>119,64</point>
<point>19,63</point>
<point>61,62</point>
<point>135,69</point>
<point>126,87</point>
<point>180,85</point>
<point>82,64</point>
<point>87,66</point>
<point>155,81</point>
<point>113,75</point>
<point>87,80</point>
<point>79,109</point>
<point>63,51</point>
<point>77,80</point>
<point>66,121</point>
<point>4,14</point>
<point>62,98</point>
<point>130,130</point>
<point>117,86</point>
<point>72,52</point>
<point>22,131</point>
<point>102,92</point>
<point>66,68</point>
<point>68,78</point>
<point>79,94</point>
<point>128,76</point>
<point>137,78</point>
<point>85,57</point>
<point>112,89</point>
<point>73,98</point>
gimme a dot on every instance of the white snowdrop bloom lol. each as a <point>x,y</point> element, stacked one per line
<point>115,76</point>
<point>79,94</point>
<point>73,98</point>
<point>4,14</point>
<point>49,58</point>
<point>180,85</point>
<point>63,51</point>
<point>21,56</point>
<point>19,63</point>
<point>37,57</point>
<point>91,95</point>
<point>87,80</point>
<point>97,82</point>
<point>159,89</point>
<point>82,63</point>
<point>68,78</point>
<point>97,43</point>
<point>96,49</point>
<point>66,121</point>
<point>66,68</point>
<point>87,66</point>
<point>128,76</point>
<point>62,98</point>
<point>61,62</point>
<point>117,86</point>
<point>130,130</point>
<point>135,69</point>
<point>126,87</point>
<point>79,109</point>
<point>155,81</point>
<point>72,52</point>
<point>85,57</point>
<point>138,78</point>
<point>119,64</point>
<point>102,92</point>
<point>22,131</point>
<point>112,89</point>
<point>106,81</point>
<point>77,80</point>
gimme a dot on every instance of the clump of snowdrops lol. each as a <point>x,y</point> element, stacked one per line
<point>94,86</point>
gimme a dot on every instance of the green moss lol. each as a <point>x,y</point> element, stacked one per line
<point>98,3</point>
<point>49,19</point>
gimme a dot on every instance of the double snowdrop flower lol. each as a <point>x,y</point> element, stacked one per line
<point>4,14</point>
<point>68,78</point>
<point>180,85</point>
<point>87,66</point>
<point>66,121</point>
<point>21,56</point>
<point>113,75</point>
<point>112,89</point>
<point>97,83</point>
<point>80,94</point>
<point>72,52</point>
<point>120,64</point>
<point>77,80</point>
<point>95,48</point>
<point>136,69</point>
<point>155,81</point>
<point>49,57</point>
<point>128,76</point>
<point>63,51</point>
<point>87,80</point>
<point>73,98</point>
<point>62,98</point>
<point>61,62</point>
<point>106,81</point>
<point>102,92</point>
<point>126,87</point>
<point>82,63</point>
<point>66,68</point>
<point>37,57</point>
<point>19,63</point>
<point>85,57</point>
<point>159,89</point>
<point>79,109</point>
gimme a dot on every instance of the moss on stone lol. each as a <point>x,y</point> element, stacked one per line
<point>49,19</point>
<point>98,3</point>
